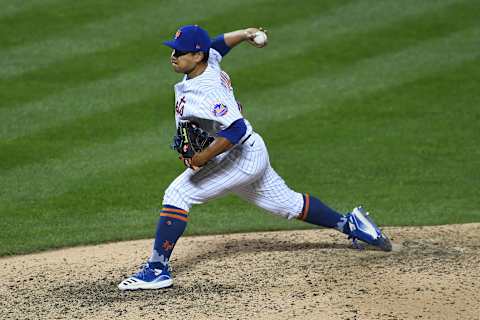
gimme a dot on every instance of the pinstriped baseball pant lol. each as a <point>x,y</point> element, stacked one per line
<point>245,171</point>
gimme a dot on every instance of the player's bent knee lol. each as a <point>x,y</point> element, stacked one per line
<point>175,197</point>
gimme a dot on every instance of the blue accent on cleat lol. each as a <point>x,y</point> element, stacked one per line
<point>362,227</point>
<point>148,277</point>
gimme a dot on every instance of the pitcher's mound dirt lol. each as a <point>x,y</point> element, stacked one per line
<point>433,273</point>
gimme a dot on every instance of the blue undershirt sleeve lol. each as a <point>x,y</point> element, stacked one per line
<point>234,132</point>
<point>218,43</point>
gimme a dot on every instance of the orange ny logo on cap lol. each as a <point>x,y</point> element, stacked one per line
<point>177,34</point>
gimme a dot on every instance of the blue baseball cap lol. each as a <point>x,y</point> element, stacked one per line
<point>190,38</point>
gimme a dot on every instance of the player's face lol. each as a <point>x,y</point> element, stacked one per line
<point>183,62</point>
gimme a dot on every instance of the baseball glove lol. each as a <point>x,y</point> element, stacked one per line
<point>190,139</point>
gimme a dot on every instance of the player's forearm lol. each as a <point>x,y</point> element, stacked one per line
<point>218,146</point>
<point>235,37</point>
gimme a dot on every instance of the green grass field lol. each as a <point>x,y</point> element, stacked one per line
<point>371,102</point>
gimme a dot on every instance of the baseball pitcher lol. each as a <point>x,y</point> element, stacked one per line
<point>223,154</point>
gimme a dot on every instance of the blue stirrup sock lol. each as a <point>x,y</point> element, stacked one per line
<point>170,227</point>
<point>316,212</point>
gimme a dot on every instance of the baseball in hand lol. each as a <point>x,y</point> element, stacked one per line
<point>260,39</point>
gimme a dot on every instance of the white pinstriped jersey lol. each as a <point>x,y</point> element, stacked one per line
<point>243,170</point>
<point>208,99</point>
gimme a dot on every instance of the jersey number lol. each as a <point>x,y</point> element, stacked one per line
<point>180,105</point>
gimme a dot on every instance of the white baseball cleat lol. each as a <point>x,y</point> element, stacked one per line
<point>148,278</point>
<point>362,227</point>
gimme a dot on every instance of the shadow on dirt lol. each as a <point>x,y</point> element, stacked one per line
<point>236,247</point>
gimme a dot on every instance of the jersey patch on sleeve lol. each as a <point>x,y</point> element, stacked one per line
<point>219,110</point>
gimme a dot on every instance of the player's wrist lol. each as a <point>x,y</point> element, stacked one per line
<point>199,159</point>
